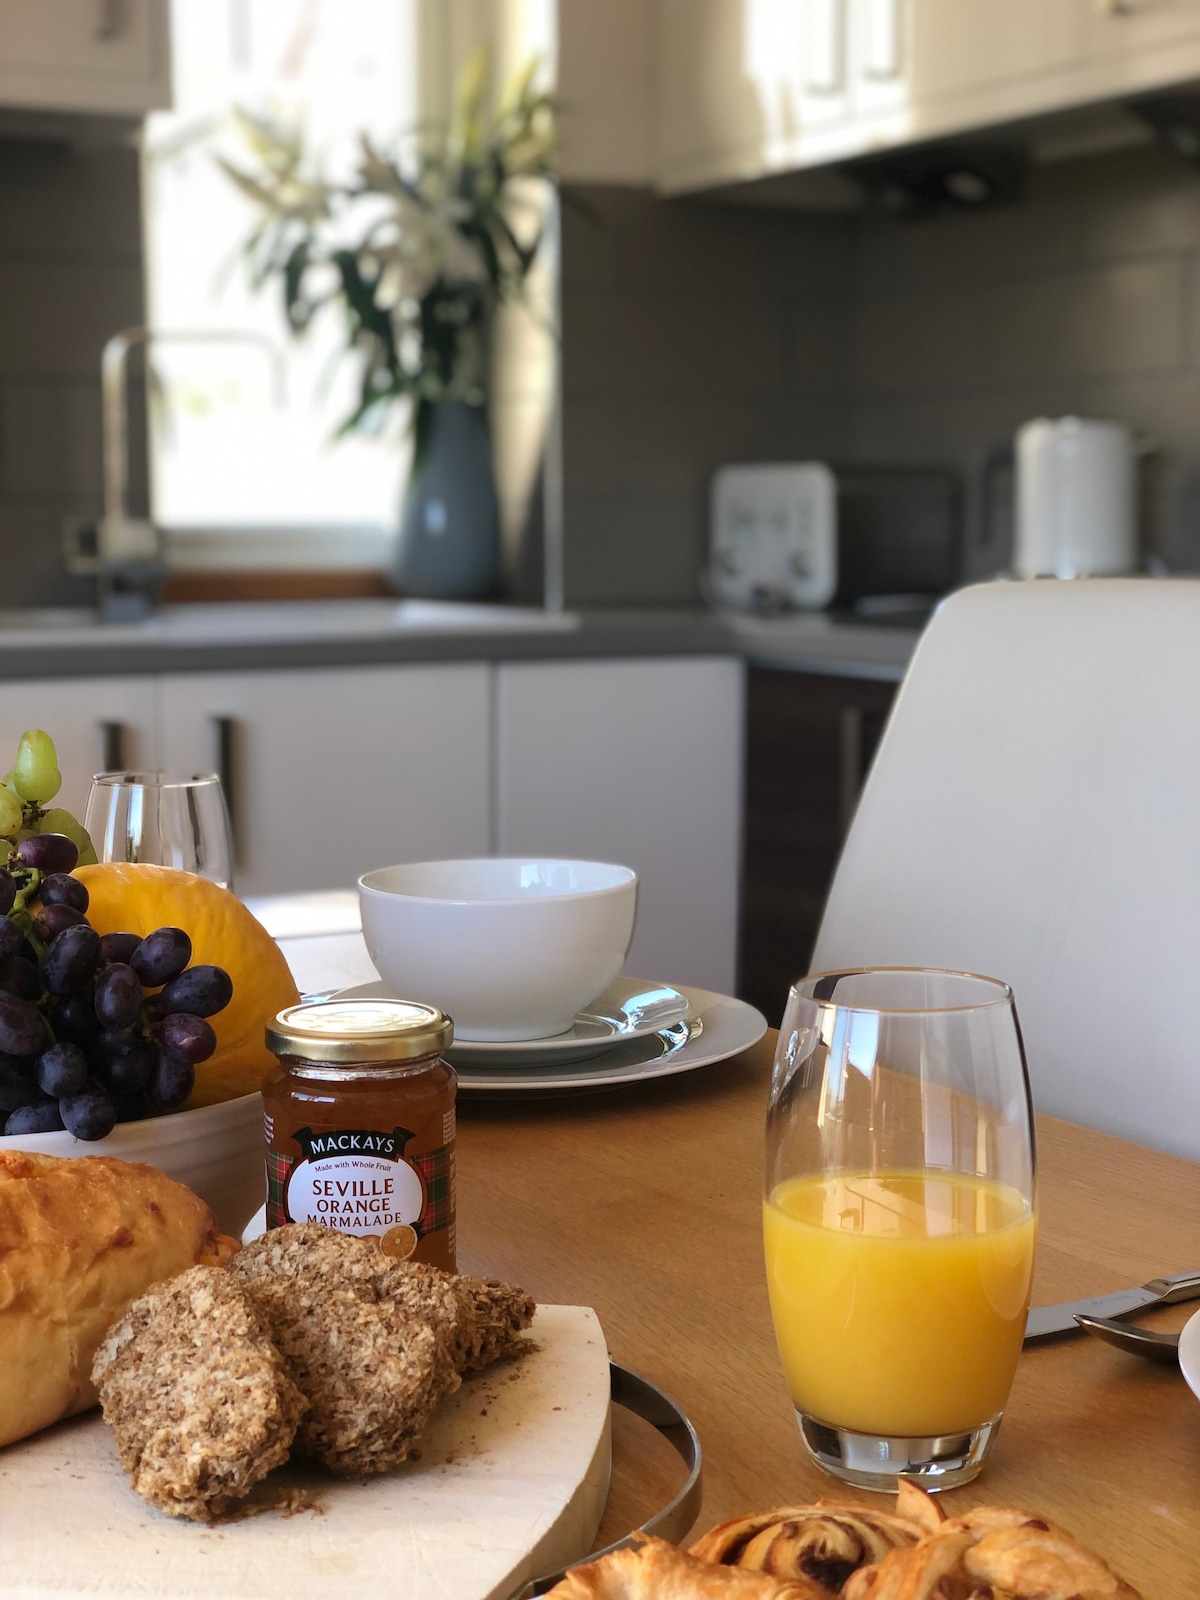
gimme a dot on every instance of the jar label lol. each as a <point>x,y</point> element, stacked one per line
<point>359,1181</point>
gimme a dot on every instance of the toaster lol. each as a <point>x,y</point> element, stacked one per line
<point>804,535</point>
<point>773,537</point>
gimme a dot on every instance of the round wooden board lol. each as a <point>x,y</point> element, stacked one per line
<point>511,1482</point>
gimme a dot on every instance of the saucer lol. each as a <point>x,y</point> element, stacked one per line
<point>716,1028</point>
<point>629,1008</point>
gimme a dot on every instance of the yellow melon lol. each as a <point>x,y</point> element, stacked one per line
<point>129,898</point>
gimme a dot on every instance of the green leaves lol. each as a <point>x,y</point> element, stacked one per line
<point>419,254</point>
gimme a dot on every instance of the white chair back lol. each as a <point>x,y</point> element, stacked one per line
<point>1033,813</point>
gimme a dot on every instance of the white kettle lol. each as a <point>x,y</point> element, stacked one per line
<point>1076,499</point>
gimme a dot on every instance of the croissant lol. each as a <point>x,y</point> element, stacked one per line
<point>997,1552</point>
<point>655,1570</point>
<point>822,1544</point>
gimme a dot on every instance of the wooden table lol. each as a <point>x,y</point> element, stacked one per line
<point>645,1204</point>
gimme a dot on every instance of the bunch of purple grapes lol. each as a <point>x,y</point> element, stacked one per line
<point>93,1030</point>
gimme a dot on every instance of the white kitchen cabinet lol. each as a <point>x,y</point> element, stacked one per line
<point>742,89</point>
<point>639,762</point>
<point>880,54</point>
<point>770,86</point>
<point>751,88</point>
<point>962,47</point>
<point>107,56</point>
<point>97,724</point>
<point>334,771</point>
<point>1124,28</point>
<point>331,771</point>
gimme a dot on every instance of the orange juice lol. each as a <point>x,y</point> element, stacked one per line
<point>899,1298</point>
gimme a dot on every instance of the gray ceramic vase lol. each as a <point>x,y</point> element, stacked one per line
<point>449,547</point>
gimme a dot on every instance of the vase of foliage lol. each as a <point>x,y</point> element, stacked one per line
<point>418,252</point>
<point>449,545</point>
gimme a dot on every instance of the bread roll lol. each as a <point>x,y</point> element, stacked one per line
<point>79,1241</point>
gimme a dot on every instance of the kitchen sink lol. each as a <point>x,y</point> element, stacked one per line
<point>249,622</point>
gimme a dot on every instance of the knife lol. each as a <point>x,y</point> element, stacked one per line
<point>1052,1322</point>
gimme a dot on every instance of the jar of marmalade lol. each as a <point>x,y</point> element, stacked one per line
<point>360,1124</point>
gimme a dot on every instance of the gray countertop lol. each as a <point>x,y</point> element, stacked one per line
<point>271,635</point>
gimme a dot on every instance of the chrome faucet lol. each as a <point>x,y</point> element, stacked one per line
<point>125,554</point>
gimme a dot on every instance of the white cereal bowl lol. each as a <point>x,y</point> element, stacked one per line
<point>217,1151</point>
<point>510,948</point>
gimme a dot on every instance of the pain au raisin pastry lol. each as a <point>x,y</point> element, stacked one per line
<point>655,1570</point>
<point>991,1553</point>
<point>822,1544</point>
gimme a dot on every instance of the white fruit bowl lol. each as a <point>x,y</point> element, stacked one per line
<point>510,948</point>
<point>217,1151</point>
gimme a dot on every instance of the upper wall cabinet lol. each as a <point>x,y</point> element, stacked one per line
<point>104,56</point>
<point>750,88</point>
<point>1143,27</point>
<point>963,47</point>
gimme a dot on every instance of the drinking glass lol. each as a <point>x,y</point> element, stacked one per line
<point>899,1218</point>
<point>170,822</point>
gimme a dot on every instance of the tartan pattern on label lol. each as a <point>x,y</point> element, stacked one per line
<point>435,1166</point>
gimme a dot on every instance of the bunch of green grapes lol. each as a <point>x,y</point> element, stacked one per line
<point>25,794</point>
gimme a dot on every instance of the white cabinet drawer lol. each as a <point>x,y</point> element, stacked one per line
<point>336,771</point>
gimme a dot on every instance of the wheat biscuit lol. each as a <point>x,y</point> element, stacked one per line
<point>370,1379</point>
<point>475,1320</point>
<point>196,1394</point>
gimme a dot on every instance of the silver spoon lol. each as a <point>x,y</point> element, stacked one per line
<point>1138,1341</point>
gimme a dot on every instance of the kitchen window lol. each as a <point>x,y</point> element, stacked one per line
<point>245,466</point>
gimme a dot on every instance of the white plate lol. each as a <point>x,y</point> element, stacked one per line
<point>717,1027</point>
<point>1189,1353</point>
<point>630,1008</point>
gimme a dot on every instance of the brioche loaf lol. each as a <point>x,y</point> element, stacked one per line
<point>79,1241</point>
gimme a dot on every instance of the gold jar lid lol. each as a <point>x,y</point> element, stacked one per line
<point>360,1030</point>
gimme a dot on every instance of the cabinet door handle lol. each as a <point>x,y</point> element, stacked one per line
<point>225,740</point>
<point>112,747</point>
<point>110,20</point>
<point>882,50</point>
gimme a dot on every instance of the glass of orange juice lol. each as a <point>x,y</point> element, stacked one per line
<point>899,1218</point>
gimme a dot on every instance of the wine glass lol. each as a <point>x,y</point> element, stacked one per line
<point>171,822</point>
<point>899,1218</point>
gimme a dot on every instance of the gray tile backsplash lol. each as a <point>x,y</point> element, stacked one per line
<point>70,275</point>
<point>1084,298</point>
<point>696,333</point>
<point>692,334</point>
